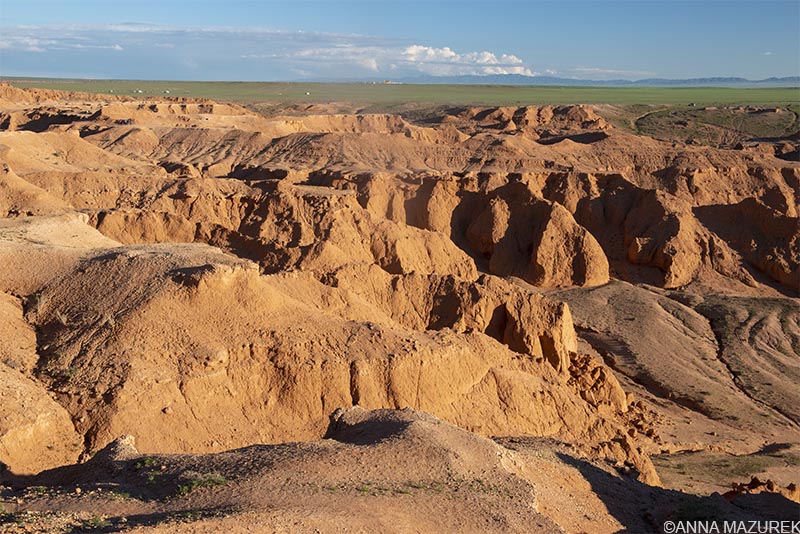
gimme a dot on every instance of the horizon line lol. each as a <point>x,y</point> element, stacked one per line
<point>409,80</point>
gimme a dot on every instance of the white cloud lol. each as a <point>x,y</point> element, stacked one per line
<point>447,62</point>
<point>317,54</point>
<point>43,39</point>
<point>370,64</point>
<point>365,58</point>
<point>25,43</point>
<point>413,59</point>
<point>767,53</point>
<point>92,46</point>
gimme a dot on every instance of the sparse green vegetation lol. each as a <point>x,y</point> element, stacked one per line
<point>14,517</point>
<point>787,457</point>
<point>384,489</point>
<point>718,126</point>
<point>96,522</point>
<point>720,469</point>
<point>200,480</point>
<point>68,373</point>
<point>190,515</point>
<point>145,462</point>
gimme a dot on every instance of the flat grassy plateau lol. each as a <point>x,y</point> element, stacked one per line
<point>487,95</point>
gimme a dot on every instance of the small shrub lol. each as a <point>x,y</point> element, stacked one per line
<point>201,480</point>
<point>96,522</point>
<point>143,463</point>
<point>190,515</point>
<point>68,373</point>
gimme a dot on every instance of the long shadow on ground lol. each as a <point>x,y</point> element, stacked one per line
<point>642,508</point>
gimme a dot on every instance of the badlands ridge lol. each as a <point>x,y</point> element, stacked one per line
<point>380,296</point>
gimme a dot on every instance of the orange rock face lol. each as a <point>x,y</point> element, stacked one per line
<point>208,278</point>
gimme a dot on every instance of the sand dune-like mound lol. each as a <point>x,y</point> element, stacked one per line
<point>441,478</point>
<point>33,250</point>
<point>18,197</point>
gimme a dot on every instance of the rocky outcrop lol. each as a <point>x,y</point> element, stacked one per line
<point>181,332</point>
<point>35,431</point>
<point>536,240</point>
<point>756,486</point>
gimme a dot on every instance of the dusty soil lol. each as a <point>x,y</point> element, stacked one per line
<point>316,321</point>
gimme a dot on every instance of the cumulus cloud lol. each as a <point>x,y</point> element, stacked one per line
<point>260,53</point>
<point>445,61</point>
<point>410,59</point>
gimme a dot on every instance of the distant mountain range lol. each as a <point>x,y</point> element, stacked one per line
<point>517,79</point>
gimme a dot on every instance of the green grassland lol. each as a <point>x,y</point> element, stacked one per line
<point>388,95</point>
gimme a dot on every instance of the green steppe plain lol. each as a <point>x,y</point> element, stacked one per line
<point>399,94</point>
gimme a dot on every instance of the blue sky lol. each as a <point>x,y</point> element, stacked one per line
<point>271,40</point>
